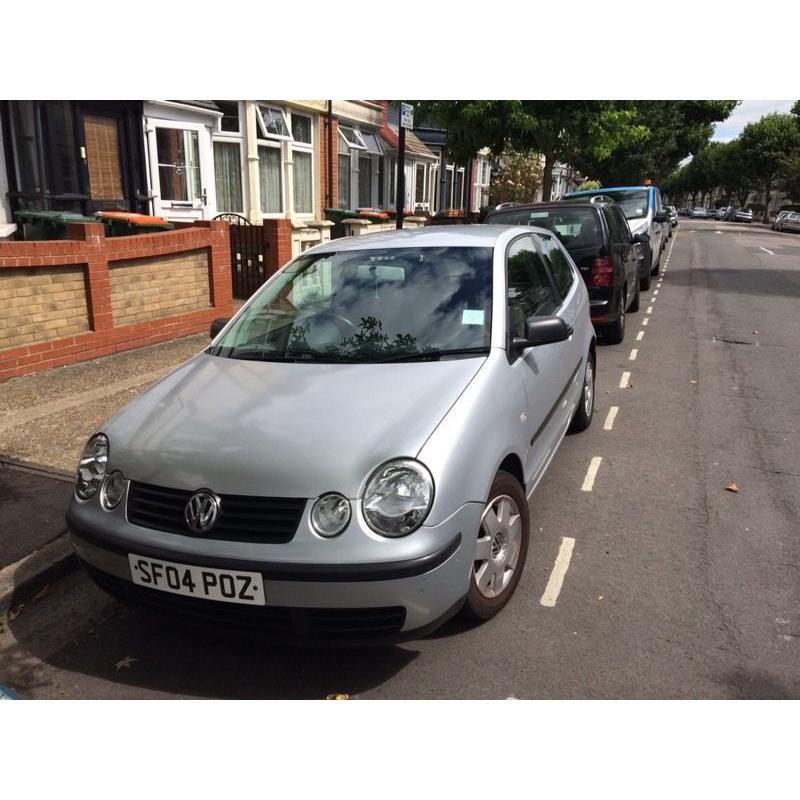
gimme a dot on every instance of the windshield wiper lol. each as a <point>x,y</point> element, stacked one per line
<point>434,355</point>
<point>289,355</point>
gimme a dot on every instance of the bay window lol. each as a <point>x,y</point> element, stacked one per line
<point>285,137</point>
<point>270,178</point>
<point>228,176</point>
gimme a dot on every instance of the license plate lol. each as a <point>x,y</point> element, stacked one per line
<point>211,584</point>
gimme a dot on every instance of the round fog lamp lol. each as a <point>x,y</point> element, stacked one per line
<point>112,490</point>
<point>330,514</point>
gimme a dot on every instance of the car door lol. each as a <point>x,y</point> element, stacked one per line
<point>624,248</point>
<point>542,370</point>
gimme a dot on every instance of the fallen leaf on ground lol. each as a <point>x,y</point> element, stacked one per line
<point>731,487</point>
<point>125,662</point>
<point>338,696</point>
<point>15,612</point>
<point>755,333</point>
<point>692,381</point>
<point>41,593</point>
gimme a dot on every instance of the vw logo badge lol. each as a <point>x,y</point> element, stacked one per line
<point>201,511</point>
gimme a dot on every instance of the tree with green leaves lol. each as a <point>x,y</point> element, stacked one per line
<point>559,130</point>
<point>673,130</point>
<point>766,145</point>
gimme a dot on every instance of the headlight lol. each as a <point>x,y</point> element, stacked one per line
<point>330,514</point>
<point>92,467</point>
<point>398,497</point>
<point>112,490</point>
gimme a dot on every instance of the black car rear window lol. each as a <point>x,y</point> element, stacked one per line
<point>576,227</point>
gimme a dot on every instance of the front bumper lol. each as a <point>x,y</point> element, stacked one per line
<point>401,592</point>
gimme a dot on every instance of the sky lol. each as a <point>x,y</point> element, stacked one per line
<point>747,111</point>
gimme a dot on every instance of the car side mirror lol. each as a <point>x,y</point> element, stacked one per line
<point>661,216</point>
<point>639,239</point>
<point>217,325</point>
<point>542,330</point>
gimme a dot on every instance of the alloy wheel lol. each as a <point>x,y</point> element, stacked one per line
<point>498,547</point>
<point>588,388</point>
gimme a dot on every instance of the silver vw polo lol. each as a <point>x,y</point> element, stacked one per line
<point>352,456</point>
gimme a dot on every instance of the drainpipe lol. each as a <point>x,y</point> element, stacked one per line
<point>329,195</point>
<point>443,180</point>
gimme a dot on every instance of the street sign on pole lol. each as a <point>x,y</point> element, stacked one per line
<point>406,115</point>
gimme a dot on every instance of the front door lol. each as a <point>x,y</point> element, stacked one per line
<point>544,371</point>
<point>181,170</point>
<point>102,152</point>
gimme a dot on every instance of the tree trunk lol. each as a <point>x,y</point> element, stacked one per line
<point>547,177</point>
<point>767,189</point>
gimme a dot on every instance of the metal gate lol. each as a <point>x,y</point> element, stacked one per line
<point>248,255</point>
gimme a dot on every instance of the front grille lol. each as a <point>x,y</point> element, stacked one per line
<point>312,624</point>
<point>271,520</point>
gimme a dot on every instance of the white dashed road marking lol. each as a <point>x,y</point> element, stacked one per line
<point>612,415</point>
<point>655,293</point>
<point>591,474</point>
<point>645,321</point>
<point>649,310</point>
<point>623,381</point>
<point>640,336</point>
<point>634,353</point>
<point>556,581</point>
<point>766,251</point>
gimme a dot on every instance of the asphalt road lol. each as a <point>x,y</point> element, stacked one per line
<point>675,588</point>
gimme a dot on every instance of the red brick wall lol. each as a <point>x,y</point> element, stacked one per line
<point>278,237</point>
<point>87,248</point>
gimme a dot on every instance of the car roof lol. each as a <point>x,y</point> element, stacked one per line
<point>431,236</point>
<point>545,204</point>
<point>590,192</point>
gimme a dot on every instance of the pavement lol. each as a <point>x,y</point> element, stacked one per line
<point>674,586</point>
<point>45,420</point>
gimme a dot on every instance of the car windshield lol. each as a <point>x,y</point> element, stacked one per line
<point>576,227</point>
<point>369,305</point>
<point>634,202</point>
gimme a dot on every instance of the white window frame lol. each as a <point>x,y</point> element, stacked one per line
<point>359,142</point>
<point>305,147</point>
<point>266,134</point>
<point>230,137</point>
<point>218,127</point>
<point>277,146</point>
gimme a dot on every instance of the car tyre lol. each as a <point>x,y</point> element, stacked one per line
<point>636,299</point>
<point>501,549</point>
<point>645,281</point>
<point>615,332</point>
<point>582,418</point>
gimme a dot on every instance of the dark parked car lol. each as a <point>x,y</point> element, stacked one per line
<point>598,239</point>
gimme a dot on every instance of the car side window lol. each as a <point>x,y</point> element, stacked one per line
<point>530,290</point>
<point>620,232</point>
<point>559,264</point>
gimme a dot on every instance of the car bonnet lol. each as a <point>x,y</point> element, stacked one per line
<point>281,429</point>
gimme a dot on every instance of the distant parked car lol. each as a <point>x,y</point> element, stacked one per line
<point>743,215</point>
<point>600,243</point>
<point>673,217</point>
<point>721,213</point>
<point>791,222</point>
<point>776,223</point>
<point>646,218</point>
<point>698,212</point>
